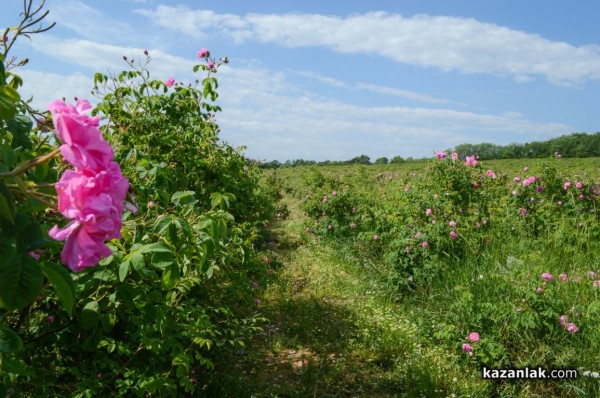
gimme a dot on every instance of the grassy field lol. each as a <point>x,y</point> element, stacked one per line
<point>352,312</point>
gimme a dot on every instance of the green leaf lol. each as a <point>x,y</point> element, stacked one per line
<point>30,238</point>
<point>170,276</point>
<point>157,247</point>
<point>162,259</point>
<point>20,282</point>
<point>7,208</point>
<point>93,339</point>
<point>183,197</point>
<point>20,126</point>
<point>8,101</point>
<point>123,270</point>
<point>9,340</point>
<point>63,285</point>
<point>89,316</point>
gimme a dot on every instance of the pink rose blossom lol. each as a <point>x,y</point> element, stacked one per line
<point>428,212</point>
<point>474,337</point>
<point>452,224</point>
<point>490,173</point>
<point>203,53</point>
<point>170,81</point>
<point>83,145</point>
<point>440,155</point>
<point>566,185</point>
<point>375,237</point>
<point>453,235</point>
<point>563,320</point>
<point>454,155</point>
<point>547,276</point>
<point>94,204</point>
<point>470,161</point>
<point>424,244</point>
<point>523,212</point>
<point>563,277</point>
<point>571,328</point>
<point>210,64</point>
<point>578,185</point>
<point>466,347</point>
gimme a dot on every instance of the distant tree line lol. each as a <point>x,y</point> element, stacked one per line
<point>575,145</point>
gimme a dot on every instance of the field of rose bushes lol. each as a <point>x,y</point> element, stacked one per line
<point>494,263</point>
<point>142,256</point>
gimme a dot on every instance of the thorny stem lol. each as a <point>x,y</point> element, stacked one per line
<point>32,163</point>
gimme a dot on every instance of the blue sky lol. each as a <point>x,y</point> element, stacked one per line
<point>336,79</point>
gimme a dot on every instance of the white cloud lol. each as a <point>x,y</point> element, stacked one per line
<point>277,119</point>
<point>397,92</point>
<point>88,22</point>
<point>448,43</point>
<point>278,123</point>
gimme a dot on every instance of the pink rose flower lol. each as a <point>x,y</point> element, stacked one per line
<point>547,276</point>
<point>453,235</point>
<point>563,320</point>
<point>203,53</point>
<point>440,155</point>
<point>170,81</point>
<point>83,144</point>
<point>563,277</point>
<point>452,224</point>
<point>94,204</point>
<point>572,328</point>
<point>470,161</point>
<point>490,173</point>
<point>474,337</point>
<point>210,64</point>
<point>466,347</point>
<point>454,155</point>
<point>566,185</point>
<point>428,212</point>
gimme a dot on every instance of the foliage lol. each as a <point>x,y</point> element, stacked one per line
<point>178,286</point>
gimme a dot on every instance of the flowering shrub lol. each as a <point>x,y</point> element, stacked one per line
<point>158,289</point>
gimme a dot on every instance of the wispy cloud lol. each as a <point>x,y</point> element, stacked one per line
<point>89,22</point>
<point>393,91</point>
<point>448,43</point>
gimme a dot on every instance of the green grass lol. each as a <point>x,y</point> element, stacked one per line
<point>338,326</point>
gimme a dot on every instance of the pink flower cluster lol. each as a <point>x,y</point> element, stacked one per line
<point>528,181</point>
<point>473,338</point>
<point>90,196</point>
<point>470,161</point>
<point>490,173</point>
<point>571,327</point>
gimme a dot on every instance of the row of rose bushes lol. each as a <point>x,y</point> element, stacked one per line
<point>490,256</point>
<point>157,219</point>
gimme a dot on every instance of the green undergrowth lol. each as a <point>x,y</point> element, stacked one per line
<point>333,331</point>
